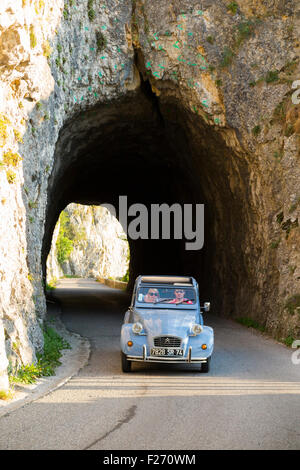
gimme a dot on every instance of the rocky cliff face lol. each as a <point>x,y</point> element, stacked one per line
<point>98,247</point>
<point>194,97</point>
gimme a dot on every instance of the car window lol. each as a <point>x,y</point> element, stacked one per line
<point>171,295</point>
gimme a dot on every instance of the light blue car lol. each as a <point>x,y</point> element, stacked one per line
<point>164,324</point>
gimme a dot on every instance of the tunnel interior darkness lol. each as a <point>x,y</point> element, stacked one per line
<point>154,150</point>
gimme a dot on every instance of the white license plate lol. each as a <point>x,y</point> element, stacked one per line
<point>166,352</point>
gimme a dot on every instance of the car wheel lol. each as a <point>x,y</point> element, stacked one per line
<point>126,365</point>
<point>205,366</point>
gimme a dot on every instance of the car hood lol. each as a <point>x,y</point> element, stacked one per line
<point>165,322</point>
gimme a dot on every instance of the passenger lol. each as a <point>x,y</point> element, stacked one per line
<point>179,298</point>
<point>151,296</point>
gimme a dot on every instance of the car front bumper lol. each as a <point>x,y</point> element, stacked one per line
<point>167,359</point>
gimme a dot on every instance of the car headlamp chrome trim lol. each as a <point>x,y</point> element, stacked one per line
<point>196,329</point>
<point>137,328</point>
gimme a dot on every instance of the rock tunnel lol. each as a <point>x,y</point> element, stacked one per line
<point>153,150</point>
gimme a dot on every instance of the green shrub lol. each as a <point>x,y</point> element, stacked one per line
<point>91,11</point>
<point>272,76</point>
<point>210,39</point>
<point>256,130</point>
<point>289,340</point>
<point>125,278</point>
<point>293,304</point>
<point>64,248</point>
<point>245,29</point>
<point>6,395</point>
<point>101,41</point>
<point>66,13</point>
<point>250,323</point>
<point>227,58</point>
<point>232,6</point>
<point>64,243</point>
<point>46,362</point>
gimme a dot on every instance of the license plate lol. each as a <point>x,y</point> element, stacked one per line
<point>166,352</point>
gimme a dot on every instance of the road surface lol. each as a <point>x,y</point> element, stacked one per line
<point>249,400</point>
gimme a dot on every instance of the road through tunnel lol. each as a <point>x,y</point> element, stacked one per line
<point>153,151</point>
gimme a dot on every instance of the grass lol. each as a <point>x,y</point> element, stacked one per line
<point>256,130</point>
<point>91,11</point>
<point>289,340</point>
<point>6,394</point>
<point>293,304</point>
<point>245,29</point>
<point>250,323</point>
<point>47,361</point>
<point>232,6</point>
<point>275,244</point>
<point>210,39</point>
<point>101,41</point>
<point>51,284</point>
<point>227,57</point>
<point>66,13</point>
<point>279,217</point>
<point>272,76</point>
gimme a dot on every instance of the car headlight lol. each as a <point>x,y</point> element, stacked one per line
<point>137,328</point>
<point>196,329</point>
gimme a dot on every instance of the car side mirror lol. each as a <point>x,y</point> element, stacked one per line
<point>206,306</point>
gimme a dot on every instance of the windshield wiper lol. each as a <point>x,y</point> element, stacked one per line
<point>164,300</point>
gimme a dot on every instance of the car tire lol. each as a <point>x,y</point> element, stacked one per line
<point>126,365</point>
<point>205,366</point>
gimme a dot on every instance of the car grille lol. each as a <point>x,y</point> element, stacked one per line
<point>167,341</point>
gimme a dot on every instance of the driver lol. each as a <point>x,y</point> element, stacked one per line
<point>151,296</point>
<point>179,298</point>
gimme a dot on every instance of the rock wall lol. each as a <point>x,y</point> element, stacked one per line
<point>99,245</point>
<point>223,71</point>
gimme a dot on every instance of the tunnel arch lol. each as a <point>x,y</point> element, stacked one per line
<point>155,150</point>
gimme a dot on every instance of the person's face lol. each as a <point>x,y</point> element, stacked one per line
<point>179,293</point>
<point>152,295</point>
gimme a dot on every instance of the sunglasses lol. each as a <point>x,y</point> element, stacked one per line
<point>179,292</point>
<point>152,293</point>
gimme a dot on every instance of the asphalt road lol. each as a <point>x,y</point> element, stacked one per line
<point>249,400</point>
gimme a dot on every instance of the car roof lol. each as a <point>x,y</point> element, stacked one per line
<point>160,279</point>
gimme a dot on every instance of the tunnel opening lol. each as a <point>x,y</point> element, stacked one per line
<point>154,150</point>
<point>87,242</point>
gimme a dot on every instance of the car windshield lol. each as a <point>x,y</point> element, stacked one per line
<point>170,295</point>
